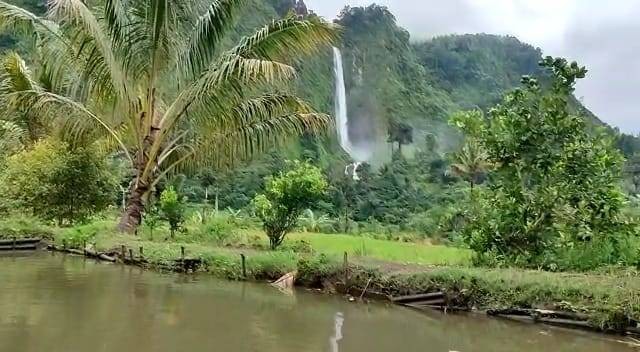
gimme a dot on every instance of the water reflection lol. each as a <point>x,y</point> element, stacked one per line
<point>337,334</point>
<point>57,304</point>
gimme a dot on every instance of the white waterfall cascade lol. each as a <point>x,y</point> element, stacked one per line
<point>342,118</point>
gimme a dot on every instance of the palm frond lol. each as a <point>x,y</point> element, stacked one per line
<point>210,29</point>
<point>227,79</point>
<point>226,149</point>
<point>15,76</point>
<point>287,38</point>
<point>19,20</point>
<point>11,138</point>
<point>72,116</point>
<point>92,40</point>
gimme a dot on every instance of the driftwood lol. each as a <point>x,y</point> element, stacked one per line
<point>287,281</point>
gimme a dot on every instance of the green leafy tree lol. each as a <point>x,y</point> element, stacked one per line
<point>172,209</point>
<point>555,184</point>
<point>158,79</point>
<point>286,197</point>
<point>57,182</point>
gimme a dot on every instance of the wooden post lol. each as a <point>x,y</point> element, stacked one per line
<point>131,253</point>
<point>13,245</point>
<point>122,252</point>
<point>345,267</point>
<point>141,252</point>
<point>64,244</point>
<point>244,266</point>
<point>84,246</point>
<point>182,251</point>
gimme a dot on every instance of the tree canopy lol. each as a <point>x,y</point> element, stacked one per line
<point>157,79</point>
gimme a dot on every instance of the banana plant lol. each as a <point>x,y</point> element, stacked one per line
<point>157,79</point>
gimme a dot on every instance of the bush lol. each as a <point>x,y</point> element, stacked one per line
<point>57,182</point>
<point>23,226</point>
<point>172,209</point>
<point>286,197</point>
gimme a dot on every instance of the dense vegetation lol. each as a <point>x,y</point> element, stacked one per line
<point>527,176</point>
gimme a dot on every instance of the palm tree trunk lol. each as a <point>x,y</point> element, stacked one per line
<point>132,215</point>
<point>139,190</point>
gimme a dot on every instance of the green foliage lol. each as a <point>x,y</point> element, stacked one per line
<point>152,220</point>
<point>286,197</point>
<point>555,186</point>
<point>313,222</point>
<point>24,226</point>
<point>56,182</point>
<point>172,208</point>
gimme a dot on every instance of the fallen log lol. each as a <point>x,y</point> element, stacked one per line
<point>87,253</point>
<point>418,298</point>
<point>97,255</point>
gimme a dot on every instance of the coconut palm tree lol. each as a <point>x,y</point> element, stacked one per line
<point>157,79</point>
<point>471,163</point>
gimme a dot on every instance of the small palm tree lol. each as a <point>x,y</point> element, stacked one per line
<point>156,78</point>
<point>312,222</point>
<point>471,163</point>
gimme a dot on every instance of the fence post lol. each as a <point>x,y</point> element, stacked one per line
<point>182,251</point>
<point>84,247</point>
<point>131,254</point>
<point>141,252</point>
<point>345,267</point>
<point>13,245</point>
<point>123,252</point>
<point>244,266</point>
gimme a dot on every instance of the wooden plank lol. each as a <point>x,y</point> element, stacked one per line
<point>418,298</point>
<point>20,241</point>
<point>19,247</point>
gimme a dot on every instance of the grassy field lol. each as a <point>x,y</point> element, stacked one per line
<point>400,252</point>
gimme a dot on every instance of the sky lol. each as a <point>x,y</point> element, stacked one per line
<point>603,35</point>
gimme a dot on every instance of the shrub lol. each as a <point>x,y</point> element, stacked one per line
<point>286,197</point>
<point>172,209</point>
<point>57,182</point>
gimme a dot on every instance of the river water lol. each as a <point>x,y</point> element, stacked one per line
<point>57,303</point>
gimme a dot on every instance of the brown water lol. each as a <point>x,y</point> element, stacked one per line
<point>55,303</point>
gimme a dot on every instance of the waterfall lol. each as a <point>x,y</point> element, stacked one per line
<point>342,119</point>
